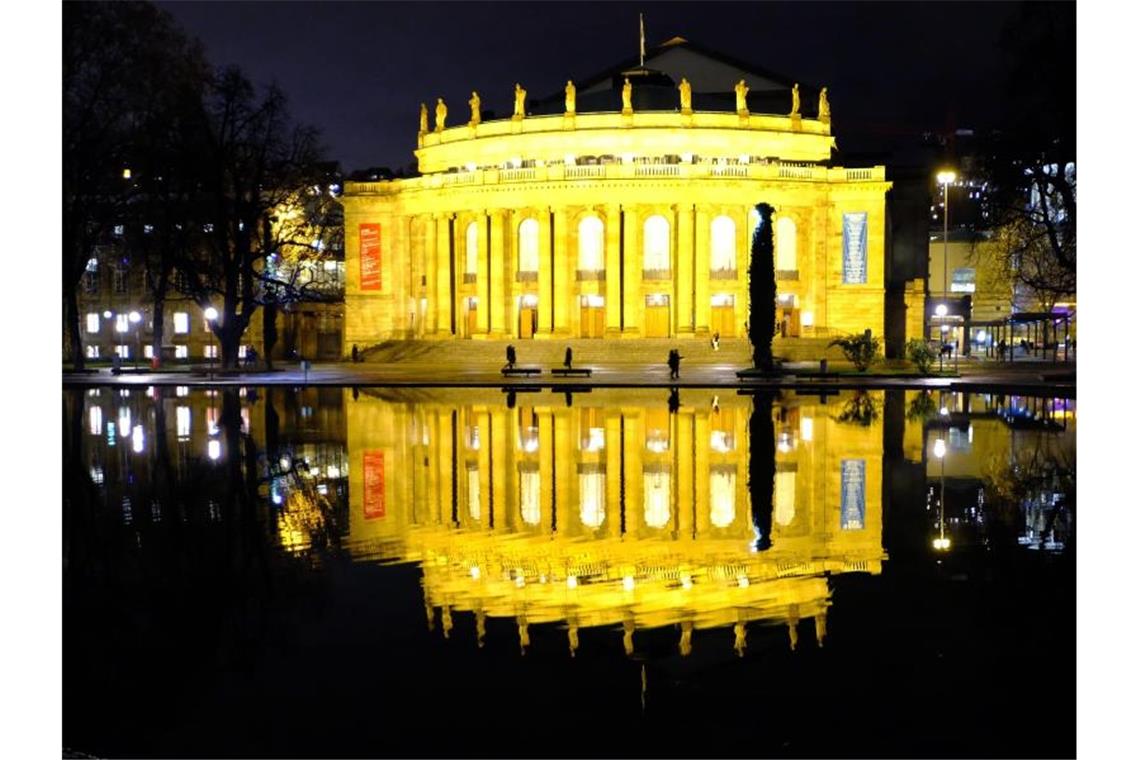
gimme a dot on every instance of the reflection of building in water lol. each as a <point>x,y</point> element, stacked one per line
<point>613,512</point>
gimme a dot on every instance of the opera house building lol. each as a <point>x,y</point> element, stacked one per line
<point>622,207</point>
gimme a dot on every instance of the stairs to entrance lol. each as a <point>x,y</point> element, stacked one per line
<point>550,353</point>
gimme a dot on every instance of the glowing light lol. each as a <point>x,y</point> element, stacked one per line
<point>284,463</point>
<point>742,581</point>
<point>807,318</point>
<point>944,412</point>
<point>333,471</point>
<point>806,430</point>
<point>941,310</point>
<point>214,449</point>
<point>946,177</point>
<point>475,572</point>
<point>107,314</point>
<point>137,439</point>
<point>211,313</point>
<point>126,173</point>
<point>571,581</point>
<point>627,583</point>
<point>96,422</point>
<point>945,329</point>
<point>940,448</point>
<point>942,544</point>
<point>686,581</point>
<point>135,317</point>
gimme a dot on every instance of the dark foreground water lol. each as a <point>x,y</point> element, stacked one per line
<point>329,572</point>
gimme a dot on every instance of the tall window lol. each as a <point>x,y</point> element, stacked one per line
<point>722,507</point>
<point>786,245</point>
<point>785,497</point>
<point>92,323</point>
<point>122,323</point>
<point>592,496</point>
<point>723,258</point>
<point>529,490</point>
<point>655,244</point>
<point>181,322</point>
<point>528,245</point>
<point>656,484</point>
<point>120,281</point>
<point>472,248</point>
<point>591,245</point>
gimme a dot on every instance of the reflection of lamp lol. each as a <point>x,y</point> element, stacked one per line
<point>211,315</point>
<point>135,318</point>
<point>942,543</point>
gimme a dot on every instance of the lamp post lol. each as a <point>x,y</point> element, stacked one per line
<point>211,315</point>
<point>136,320</point>
<point>945,177</point>
<point>941,543</point>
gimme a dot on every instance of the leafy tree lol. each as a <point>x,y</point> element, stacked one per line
<point>920,353</point>
<point>861,409</point>
<point>762,291</point>
<point>860,350</point>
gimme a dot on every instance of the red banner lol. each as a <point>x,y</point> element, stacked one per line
<point>370,257</point>
<point>374,506</point>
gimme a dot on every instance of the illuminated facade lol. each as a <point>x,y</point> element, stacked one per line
<point>613,512</point>
<point>594,218</point>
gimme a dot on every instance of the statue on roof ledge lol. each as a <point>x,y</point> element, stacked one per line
<point>741,98</point>
<point>824,106</point>
<point>686,96</point>
<point>627,97</point>
<point>474,103</point>
<point>795,99</point>
<point>571,97</point>
<point>440,114</point>
<point>520,102</point>
<point>423,118</point>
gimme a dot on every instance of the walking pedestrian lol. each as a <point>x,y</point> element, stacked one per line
<point>569,360</point>
<point>511,357</point>
<point>355,354</point>
<point>674,364</point>
<point>716,341</point>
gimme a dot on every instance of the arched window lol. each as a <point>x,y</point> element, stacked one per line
<point>722,502</point>
<point>723,258</point>
<point>785,245</point>
<point>472,248</point>
<point>528,245</point>
<point>785,498</point>
<point>655,244</point>
<point>591,245</point>
<point>529,490</point>
<point>753,223</point>
<point>592,498</point>
<point>656,485</point>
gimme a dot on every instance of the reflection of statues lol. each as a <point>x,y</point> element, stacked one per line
<point>447,624</point>
<point>627,97</point>
<point>627,637</point>
<point>573,639</point>
<point>524,634</point>
<point>741,98</point>
<point>796,99</point>
<point>686,638</point>
<point>480,627</point>
<point>430,615</point>
<point>793,634</point>
<point>440,114</point>
<point>741,641</point>
<point>824,106</point>
<point>686,96</point>
<point>474,103</point>
<point>423,119</point>
<point>571,97</point>
<point>520,101</point>
<point>820,627</point>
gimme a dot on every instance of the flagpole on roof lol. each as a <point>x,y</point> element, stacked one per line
<point>641,21</point>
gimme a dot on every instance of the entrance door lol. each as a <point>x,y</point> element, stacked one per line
<point>472,316</point>
<point>657,316</point>
<point>722,315</point>
<point>790,322</point>
<point>593,316</point>
<point>528,321</point>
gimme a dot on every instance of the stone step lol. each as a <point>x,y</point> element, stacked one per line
<point>550,353</point>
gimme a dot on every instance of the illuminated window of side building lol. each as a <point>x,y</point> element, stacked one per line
<point>785,245</point>
<point>210,352</point>
<point>148,351</point>
<point>95,414</point>
<point>592,495</point>
<point>92,352</point>
<point>181,323</point>
<point>123,351</point>
<point>474,505</point>
<point>591,245</point>
<point>182,422</point>
<point>655,244</point>
<point>723,243</point>
<point>785,497</point>
<point>472,259</point>
<point>93,323</point>
<point>529,493</point>
<point>181,352</point>
<point>528,245</point>
<point>122,323</point>
<point>656,487</point>
<point>722,496</point>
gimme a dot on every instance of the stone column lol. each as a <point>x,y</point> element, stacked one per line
<point>446,310</point>
<point>545,275</point>
<point>482,272</point>
<point>613,269</point>
<point>406,296</point>
<point>499,291</point>
<point>565,262</point>
<point>684,272</point>
<point>431,272</point>
<point>701,271</point>
<point>613,424</point>
<point>632,300</point>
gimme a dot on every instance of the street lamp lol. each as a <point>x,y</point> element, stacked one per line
<point>211,315</point>
<point>135,318</point>
<point>945,177</point>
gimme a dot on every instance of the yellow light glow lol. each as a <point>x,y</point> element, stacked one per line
<point>627,583</point>
<point>942,544</point>
<point>946,176</point>
<point>939,448</point>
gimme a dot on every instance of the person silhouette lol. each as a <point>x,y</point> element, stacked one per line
<point>674,364</point>
<point>511,357</point>
<point>674,401</point>
<point>569,360</point>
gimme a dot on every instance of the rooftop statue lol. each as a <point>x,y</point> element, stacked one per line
<point>571,97</point>
<point>474,103</point>
<point>440,114</point>
<point>795,99</point>
<point>520,101</point>
<point>627,97</point>
<point>741,98</point>
<point>686,96</point>
<point>423,118</point>
<point>824,106</point>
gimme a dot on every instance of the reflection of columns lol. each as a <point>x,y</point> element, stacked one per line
<point>545,274</point>
<point>545,471</point>
<point>700,503</point>
<point>633,303</point>
<point>634,474</point>
<point>685,492</point>
<point>684,269</point>
<point>565,473</point>
<point>502,477</point>
<point>613,268</point>
<point>498,291</point>
<point>613,424</point>
<point>565,261</point>
<point>701,266</point>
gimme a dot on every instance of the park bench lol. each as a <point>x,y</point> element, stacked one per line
<point>572,371</point>
<point>524,371</point>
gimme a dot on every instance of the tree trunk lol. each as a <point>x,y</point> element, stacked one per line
<point>762,291</point>
<point>229,338</point>
<point>71,315</point>
<point>762,467</point>
<point>269,332</point>
<point>157,325</point>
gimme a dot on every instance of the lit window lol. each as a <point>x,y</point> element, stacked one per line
<point>121,281</point>
<point>472,248</point>
<point>785,245</point>
<point>656,244</point>
<point>723,255</point>
<point>722,441</point>
<point>118,230</point>
<point>529,491</point>
<point>123,350</point>
<point>656,498</point>
<point>591,245</point>
<point>722,300</point>
<point>92,352</point>
<point>148,351</point>
<point>122,323</point>
<point>92,264</point>
<point>95,414</point>
<point>722,484</point>
<point>592,498</point>
<point>241,351</point>
<point>148,228</point>
<point>182,421</point>
<point>181,391</point>
<point>92,323</point>
<point>528,245</point>
<point>181,352</point>
<point>181,322</point>
<point>212,420</point>
<point>474,506</point>
<point>210,352</point>
<point>785,497</point>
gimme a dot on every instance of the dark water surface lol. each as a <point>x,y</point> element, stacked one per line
<point>330,572</point>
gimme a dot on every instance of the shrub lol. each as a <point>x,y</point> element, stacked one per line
<point>920,352</point>
<point>860,350</point>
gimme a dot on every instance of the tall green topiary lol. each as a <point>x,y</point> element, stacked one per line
<point>762,291</point>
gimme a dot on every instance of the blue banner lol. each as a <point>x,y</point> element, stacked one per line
<point>852,487</point>
<point>855,248</point>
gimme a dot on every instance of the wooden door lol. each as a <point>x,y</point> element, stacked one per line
<point>657,321</point>
<point>593,321</point>
<point>528,315</point>
<point>723,319</point>
<point>472,320</point>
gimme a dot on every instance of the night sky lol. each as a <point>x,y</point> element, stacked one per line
<point>359,71</point>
